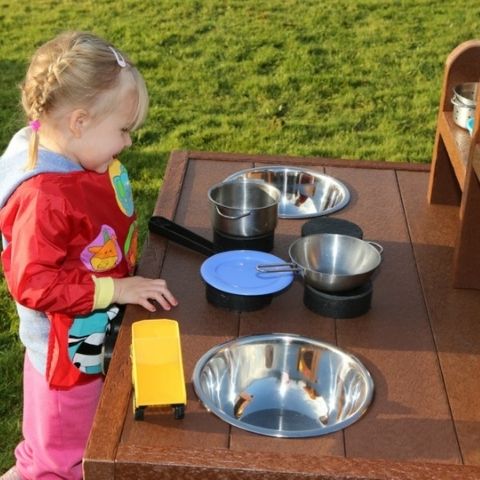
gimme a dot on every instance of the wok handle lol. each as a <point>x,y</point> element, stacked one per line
<point>278,267</point>
<point>229,217</point>
<point>181,235</point>
<point>377,246</point>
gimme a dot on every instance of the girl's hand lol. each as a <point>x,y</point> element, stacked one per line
<point>141,291</point>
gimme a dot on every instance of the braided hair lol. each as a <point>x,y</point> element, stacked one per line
<point>72,70</point>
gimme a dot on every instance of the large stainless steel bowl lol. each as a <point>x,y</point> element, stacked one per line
<point>283,385</point>
<point>304,193</point>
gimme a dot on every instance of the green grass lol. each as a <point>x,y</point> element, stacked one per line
<point>338,78</point>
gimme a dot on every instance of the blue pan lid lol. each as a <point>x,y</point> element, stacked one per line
<point>235,271</point>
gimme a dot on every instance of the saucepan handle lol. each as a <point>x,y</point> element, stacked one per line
<point>181,235</point>
<point>231,217</point>
<point>279,267</point>
<point>377,246</point>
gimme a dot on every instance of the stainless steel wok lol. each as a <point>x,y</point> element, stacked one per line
<point>331,262</point>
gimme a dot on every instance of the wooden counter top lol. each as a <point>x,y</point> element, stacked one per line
<point>420,341</point>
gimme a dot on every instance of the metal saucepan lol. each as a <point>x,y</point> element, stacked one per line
<point>331,262</point>
<point>218,296</point>
<point>464,103</point>
<point>244,208</point>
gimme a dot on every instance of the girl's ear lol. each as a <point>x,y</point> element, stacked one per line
<point>77,122</point>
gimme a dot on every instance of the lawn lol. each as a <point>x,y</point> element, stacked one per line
<point>344,78</point>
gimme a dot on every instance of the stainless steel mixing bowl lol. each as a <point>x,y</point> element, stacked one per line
<point>304,193</point>
<point>283,385</point>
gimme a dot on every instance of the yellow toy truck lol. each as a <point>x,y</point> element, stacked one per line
<point>157,367</point>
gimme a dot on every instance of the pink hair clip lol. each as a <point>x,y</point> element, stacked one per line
<point>34,125</point>
<point>119,58</point>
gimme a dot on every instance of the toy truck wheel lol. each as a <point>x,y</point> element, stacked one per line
<point>179,411</point>
<point>139,413</point>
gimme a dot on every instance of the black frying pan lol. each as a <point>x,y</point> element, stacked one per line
<point>182,236</point>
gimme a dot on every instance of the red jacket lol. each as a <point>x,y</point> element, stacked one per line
<point>61,230</point>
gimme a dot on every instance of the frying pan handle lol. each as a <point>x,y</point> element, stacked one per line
<point>181,235</point>
<point>377,246</point>
<point>279,267</point>
<point>228,217</point>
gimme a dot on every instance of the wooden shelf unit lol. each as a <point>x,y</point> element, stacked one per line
<point>455,172</point>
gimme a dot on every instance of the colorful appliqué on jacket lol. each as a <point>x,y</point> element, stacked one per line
<point>86,338</point>
<point>103,253</point>
<point>121,185</point>
<point>131,246</point>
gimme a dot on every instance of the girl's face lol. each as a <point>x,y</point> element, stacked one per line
<point>105,136</point>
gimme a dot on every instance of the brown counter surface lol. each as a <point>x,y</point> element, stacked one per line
<point>420,341</point>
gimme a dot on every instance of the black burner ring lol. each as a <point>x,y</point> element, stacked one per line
<point>331,225</point>
<point>263,243</point>
<point>350,304</point>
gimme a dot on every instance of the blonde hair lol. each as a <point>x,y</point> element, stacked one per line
<point>72,70</point>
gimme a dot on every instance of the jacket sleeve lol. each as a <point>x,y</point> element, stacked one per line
<point>36,261</point>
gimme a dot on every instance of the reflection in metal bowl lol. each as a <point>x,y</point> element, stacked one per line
<point>283,385</point>
<point>304,193</point>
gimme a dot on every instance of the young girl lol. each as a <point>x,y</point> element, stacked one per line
<point>69,239</point>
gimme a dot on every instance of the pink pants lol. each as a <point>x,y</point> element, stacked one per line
<point>56,425</point>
